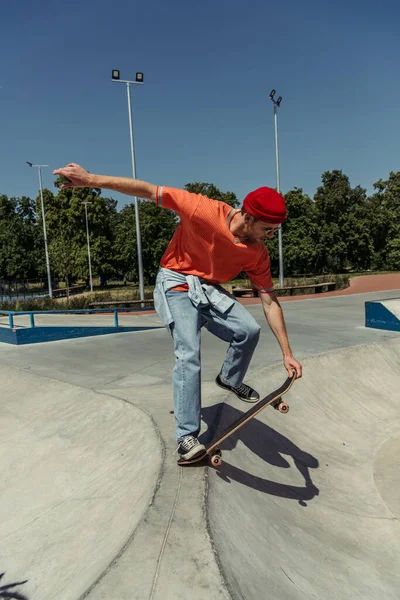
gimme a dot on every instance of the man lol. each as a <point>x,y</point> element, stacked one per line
<point>211,245</point>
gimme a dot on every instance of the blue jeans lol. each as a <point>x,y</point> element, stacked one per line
<point>236,326</point>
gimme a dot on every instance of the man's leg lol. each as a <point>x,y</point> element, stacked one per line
<point>242,331</point>
<point>186,375</point>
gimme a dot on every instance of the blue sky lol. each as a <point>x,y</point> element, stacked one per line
<point>204,112</point>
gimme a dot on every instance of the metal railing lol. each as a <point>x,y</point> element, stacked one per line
<point>13,313</point>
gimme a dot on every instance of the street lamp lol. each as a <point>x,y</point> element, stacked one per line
<point>277,103</point>
<point>39,168</point>
<point>88,245</point>
<point>140,80</point>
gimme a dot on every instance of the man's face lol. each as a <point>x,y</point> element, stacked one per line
<point>258,231</point>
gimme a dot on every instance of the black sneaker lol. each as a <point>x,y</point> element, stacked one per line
<point>189,447</point>
<point>242,391</point>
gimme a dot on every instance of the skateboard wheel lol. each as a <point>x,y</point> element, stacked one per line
<point>276,403</point>
<point>216,460</point>
<point>283,407</point>
<point>217,452</point>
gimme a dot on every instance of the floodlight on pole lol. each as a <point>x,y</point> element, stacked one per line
<point>88,245</point>
<point>276,104</point>
<point>139,80</point>
<point>39,168</point>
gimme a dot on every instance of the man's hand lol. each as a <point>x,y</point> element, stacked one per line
<point>77,175</point>
<point>291,364</point>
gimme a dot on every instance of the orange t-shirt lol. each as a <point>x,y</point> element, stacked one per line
<point>203,244</point>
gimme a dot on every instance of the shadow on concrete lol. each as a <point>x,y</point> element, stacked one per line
<point>8,591</point>
<point>266,443</point>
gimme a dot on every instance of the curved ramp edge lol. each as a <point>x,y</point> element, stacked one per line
<point>303,505</point>
<point>79,470</point>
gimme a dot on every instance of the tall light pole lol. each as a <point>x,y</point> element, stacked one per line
<point>39,168</point>
<point>139,80</point>
<point>88,245</point>
<point>277,103</point>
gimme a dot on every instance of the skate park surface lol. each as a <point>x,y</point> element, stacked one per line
<point>304,505</point>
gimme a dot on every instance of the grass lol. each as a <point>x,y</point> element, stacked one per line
<point>119,292</point>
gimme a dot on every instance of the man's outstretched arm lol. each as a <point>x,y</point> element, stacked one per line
<point>79,177</point>
<point>274,315</point>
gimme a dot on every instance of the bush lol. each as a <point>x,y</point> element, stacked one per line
<point>342,281</point>
<point>41,304</point>
<point>29,304</point>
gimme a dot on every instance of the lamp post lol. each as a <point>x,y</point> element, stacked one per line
<point>277,103</point>
<point>88,245</point>
<point>139,80</point>
<point>39,168</point>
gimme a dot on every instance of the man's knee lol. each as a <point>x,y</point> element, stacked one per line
<point>186,347</point>
<point>250,331</point>
<point>255,331</point>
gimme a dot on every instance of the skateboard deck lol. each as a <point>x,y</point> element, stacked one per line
<point>212,450</point>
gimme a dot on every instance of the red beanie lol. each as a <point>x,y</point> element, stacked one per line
<point>266,205</point>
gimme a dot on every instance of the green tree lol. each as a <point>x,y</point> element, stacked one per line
<point>342,239</point>
<point>32,238</point>
<point>66,229</point>
<point>211,191</point>
<point>384,219</point>
<point>157,226</point>
<point>393,254</point>
<point>298,233</point>
<point>18,253</point>
<point>63,252</point>
<point>101,221</point>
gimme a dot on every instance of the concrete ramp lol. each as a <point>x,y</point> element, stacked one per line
<point>383,314</point>
<point>307,505</point>
<point>78,472</point>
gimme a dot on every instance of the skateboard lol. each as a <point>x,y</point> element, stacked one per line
<point>273,399</point>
